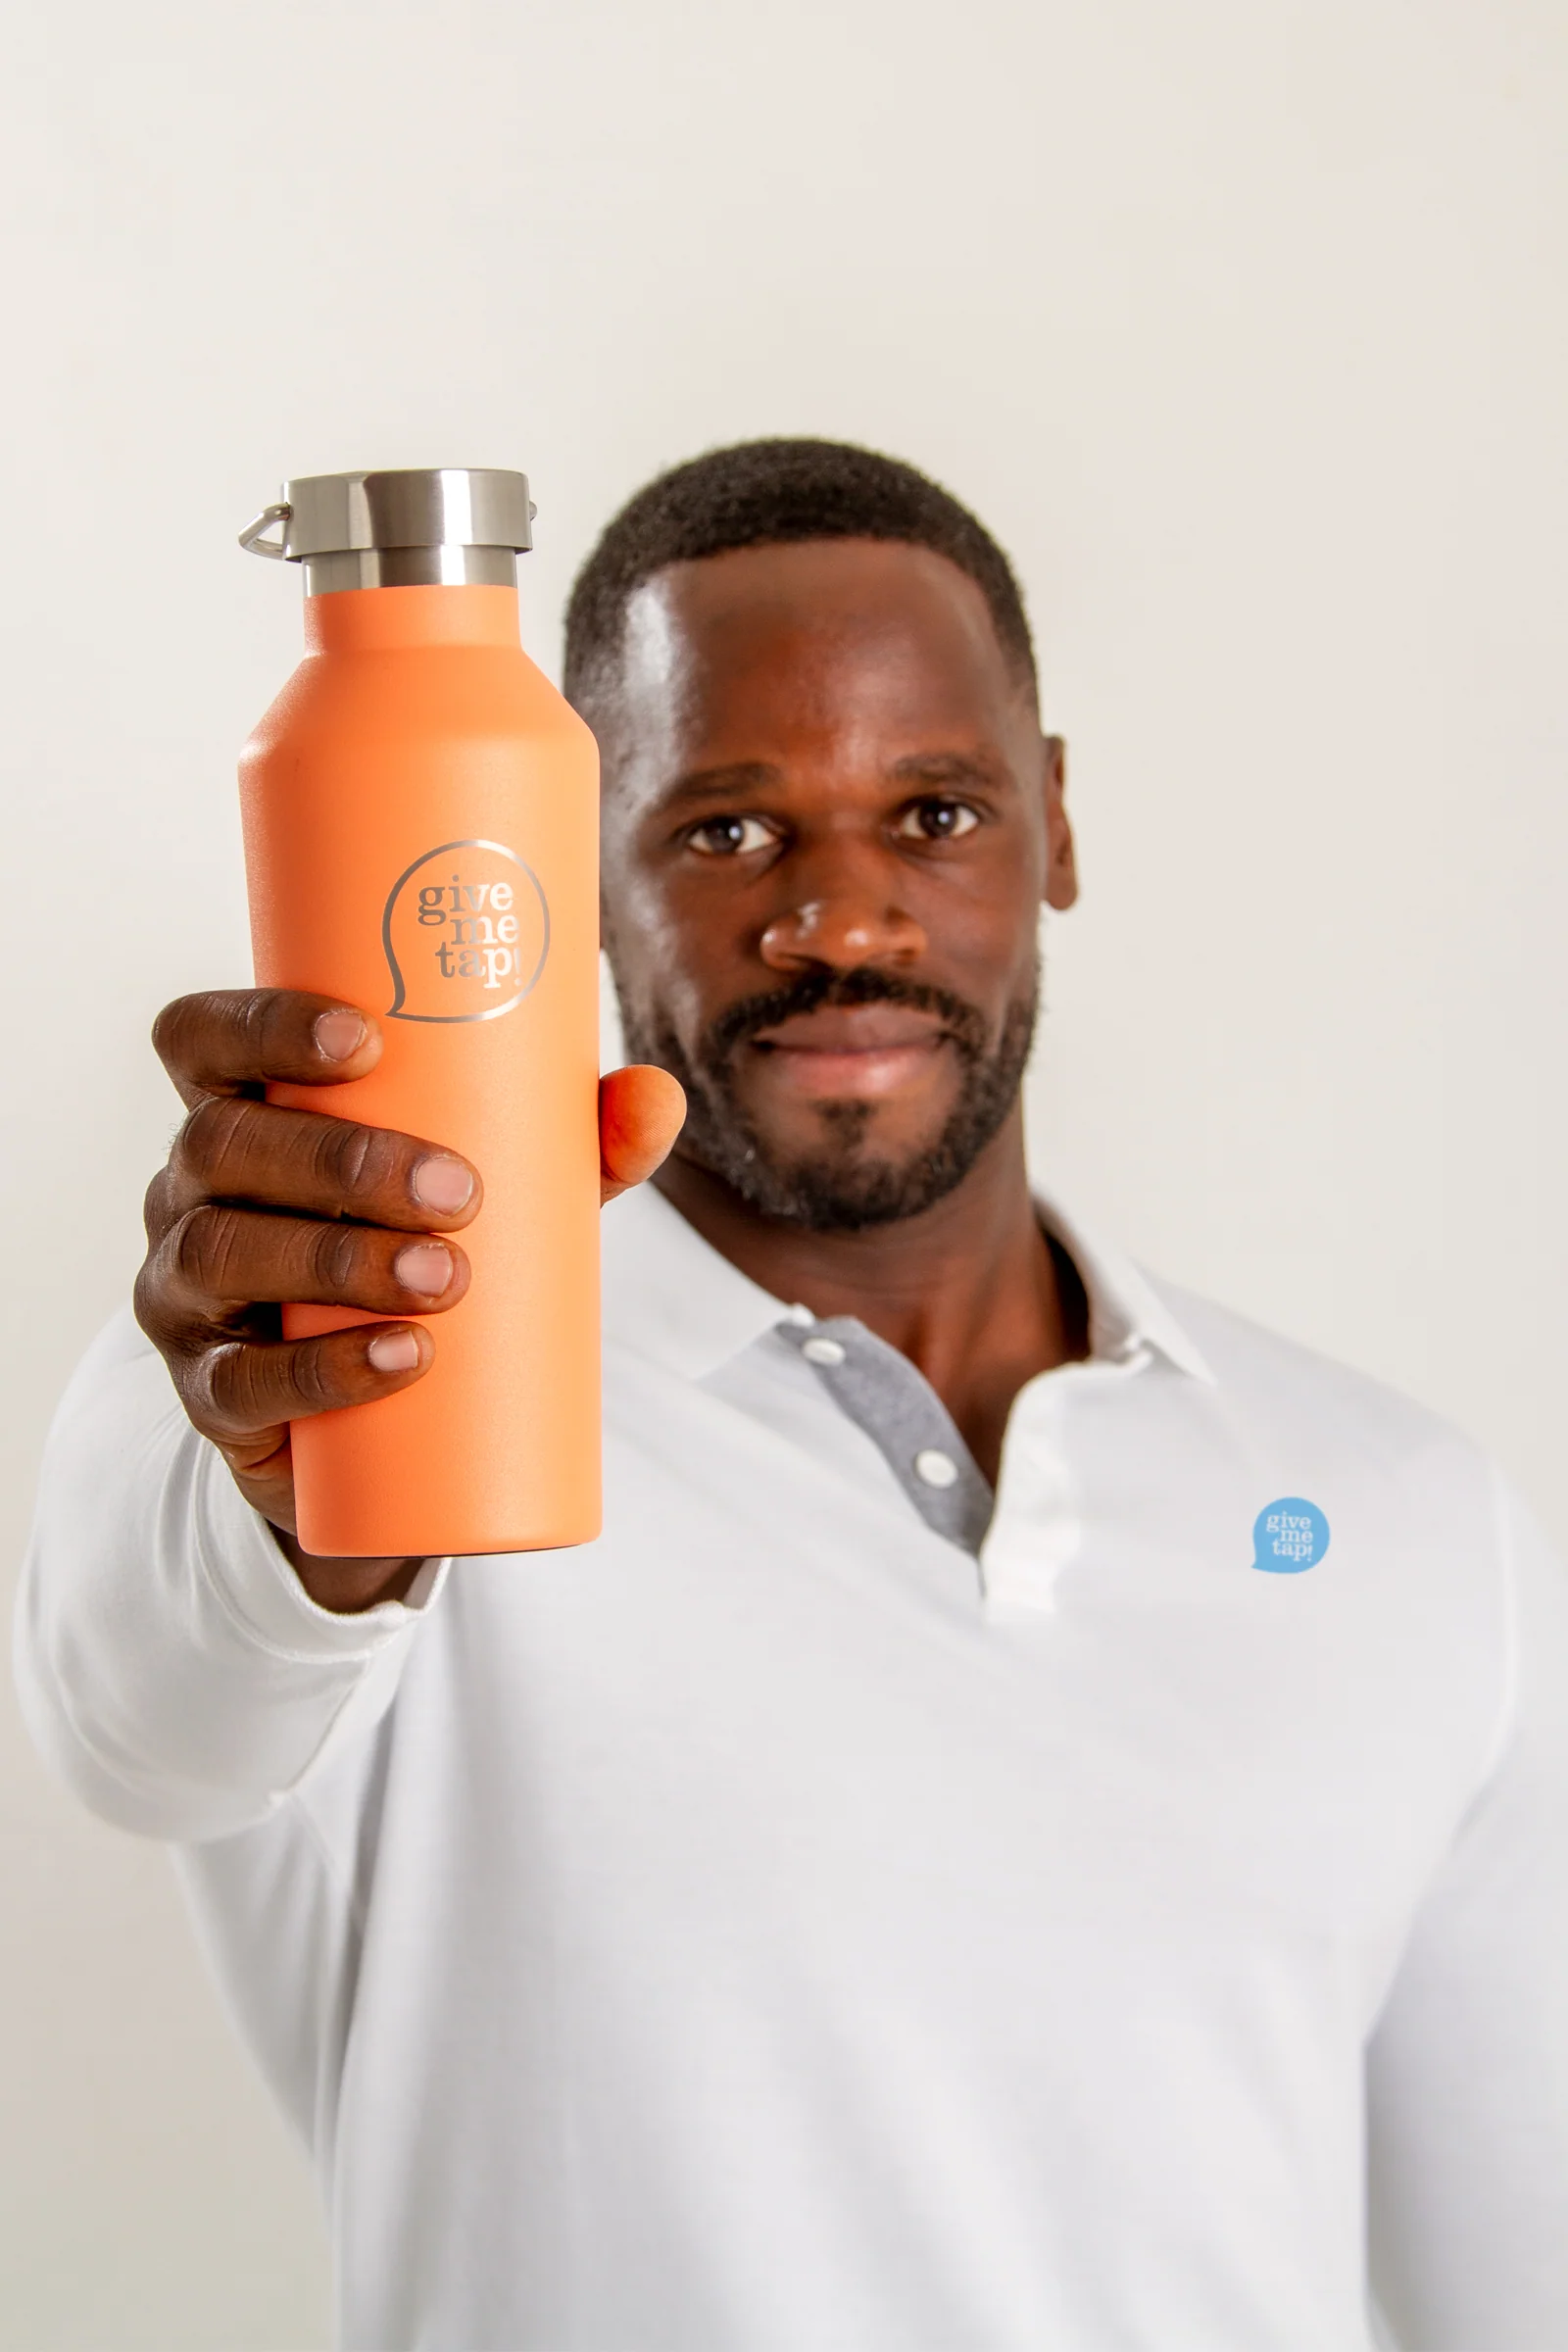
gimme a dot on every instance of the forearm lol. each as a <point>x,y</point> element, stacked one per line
<point>171,1666</point>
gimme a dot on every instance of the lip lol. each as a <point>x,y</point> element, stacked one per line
<point>852,1029</point>
<point>846,1050</point>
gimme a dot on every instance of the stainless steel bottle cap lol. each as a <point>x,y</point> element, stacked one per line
<point>418,527</point>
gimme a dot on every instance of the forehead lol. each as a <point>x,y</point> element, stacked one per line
<point>818,633</point>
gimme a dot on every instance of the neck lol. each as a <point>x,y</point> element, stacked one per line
<point>970,1290</point>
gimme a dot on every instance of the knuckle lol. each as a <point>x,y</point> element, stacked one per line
<point>150,1305</point>
<point>272,1022</point>
<point>201,1246</point>
<point>353,1161</point>
<point>221,1389</point>
<point>155,1205</point>
<point>182,1249</point>
<point>313,1380</point>
<point>212,1034</point>
<point>170,1028</point>
<point>207,1141</point>
<point>246,1390</point>
<point>332,1254</point>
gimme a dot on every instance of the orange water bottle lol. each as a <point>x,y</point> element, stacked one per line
<point>420,812</point>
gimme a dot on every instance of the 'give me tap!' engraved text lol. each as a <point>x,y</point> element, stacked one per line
<point>467,931</point>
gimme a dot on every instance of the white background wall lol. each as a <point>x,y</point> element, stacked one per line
<point>1242,322</point>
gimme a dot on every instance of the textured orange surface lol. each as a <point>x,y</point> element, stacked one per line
<point>417,721</point>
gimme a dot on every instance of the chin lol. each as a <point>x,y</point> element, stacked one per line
<point>844,1129</point>
<point>846,1172</point>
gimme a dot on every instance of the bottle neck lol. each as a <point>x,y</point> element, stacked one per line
<point>449,565</point>
<point>371,620</point>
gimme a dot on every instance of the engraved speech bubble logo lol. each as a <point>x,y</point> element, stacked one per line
<point>467,930</point>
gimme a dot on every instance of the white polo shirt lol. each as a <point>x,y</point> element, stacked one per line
<point>774,1927</point>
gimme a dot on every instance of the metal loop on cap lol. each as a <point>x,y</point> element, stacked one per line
<point>251,538</point>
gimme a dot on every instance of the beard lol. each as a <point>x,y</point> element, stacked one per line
<point>845,1183</point>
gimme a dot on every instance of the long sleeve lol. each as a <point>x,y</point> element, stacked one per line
<point>1468,2070</point>
<point>171,1666</point>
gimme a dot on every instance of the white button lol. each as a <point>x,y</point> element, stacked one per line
<point>936,1468</point>
<point>823,1351</point>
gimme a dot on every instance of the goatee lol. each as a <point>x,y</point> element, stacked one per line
<point>846,1184</point>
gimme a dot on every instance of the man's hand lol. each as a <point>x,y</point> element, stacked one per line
<point>261,1204</point>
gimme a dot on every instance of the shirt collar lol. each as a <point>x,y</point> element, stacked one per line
<point>1126,1312</point>
<point>669,1295</point>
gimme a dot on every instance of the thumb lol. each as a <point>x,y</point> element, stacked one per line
<point>641,1109</point>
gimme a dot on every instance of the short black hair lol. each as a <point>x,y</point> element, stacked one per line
<point>766,493</point>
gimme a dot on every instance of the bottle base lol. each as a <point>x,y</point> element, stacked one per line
<point>327,1543</point>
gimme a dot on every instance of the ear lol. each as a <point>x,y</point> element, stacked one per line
<point>1062,865</point>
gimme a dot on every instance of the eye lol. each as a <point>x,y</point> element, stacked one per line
<point>936,819</point>
<point>731,836</point>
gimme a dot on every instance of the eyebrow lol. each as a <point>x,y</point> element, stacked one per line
<point>947,768</point>
<point>753,775</point>
<point>721,783</point>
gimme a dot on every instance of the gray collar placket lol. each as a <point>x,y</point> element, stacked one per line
<point>900,1411</point>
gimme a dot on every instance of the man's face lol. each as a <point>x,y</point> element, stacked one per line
<point>830,819</point>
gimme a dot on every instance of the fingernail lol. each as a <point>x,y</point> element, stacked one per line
<point>394,1352</point>
<point>444,1185</point>
<point>338,1033</point>
<point>424,1266</point>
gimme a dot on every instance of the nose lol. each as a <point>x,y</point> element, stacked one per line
<point>843,907</point>
<point>847,927</point>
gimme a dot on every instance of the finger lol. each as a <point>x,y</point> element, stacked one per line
<point>214,1258</point>
<point>227,1039</point>
<point>244,1393</point>
<point>233,1148</point>
<point>157,1210</point>
<point>641,1111</point>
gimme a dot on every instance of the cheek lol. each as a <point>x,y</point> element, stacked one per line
<point>675,914</point>
<point>668,958</point>
<point>637,917</point>
<point>984,927</point>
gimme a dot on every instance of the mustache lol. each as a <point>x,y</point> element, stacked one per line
<point>961,1021</point>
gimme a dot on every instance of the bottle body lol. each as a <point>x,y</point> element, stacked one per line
<point>420,812</point>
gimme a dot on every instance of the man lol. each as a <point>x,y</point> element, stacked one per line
<point>1045,1805</point>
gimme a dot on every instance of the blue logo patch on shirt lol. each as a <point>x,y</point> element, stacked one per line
<point>1289,1535</point>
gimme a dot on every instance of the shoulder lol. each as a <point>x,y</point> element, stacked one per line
<point>1284,1388</point>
